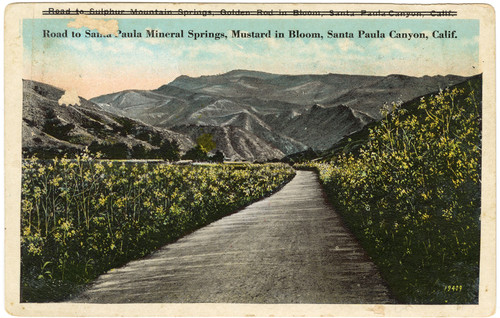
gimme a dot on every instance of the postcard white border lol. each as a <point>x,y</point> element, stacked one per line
<point>12,164</point>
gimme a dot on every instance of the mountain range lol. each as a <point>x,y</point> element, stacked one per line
<point>254,116</point>
<point>49,129</point>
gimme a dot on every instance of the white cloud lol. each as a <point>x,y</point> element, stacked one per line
<point>388,45</point>
<point>77,44</point>
<point>96,46</point>
<point>346,45</point>
<point>146,51</point>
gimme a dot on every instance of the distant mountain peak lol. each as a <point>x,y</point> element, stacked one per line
<point>181,77</point>
<point>243,72</point>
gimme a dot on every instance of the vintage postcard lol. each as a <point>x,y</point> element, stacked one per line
<point>224,159</point>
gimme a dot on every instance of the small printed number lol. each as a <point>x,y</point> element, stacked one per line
<point>453,288</point>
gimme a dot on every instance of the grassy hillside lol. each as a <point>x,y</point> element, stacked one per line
<point>353,142</point>
<point>409,188</point>
<point>51,130</point>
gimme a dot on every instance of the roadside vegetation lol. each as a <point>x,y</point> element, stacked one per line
<point>82,217</point>
<point>412,195</point>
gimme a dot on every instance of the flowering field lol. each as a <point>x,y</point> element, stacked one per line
<point>83,217</point>
<point>412,196</point>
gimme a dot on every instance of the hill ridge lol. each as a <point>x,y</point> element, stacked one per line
<point>288,113</point>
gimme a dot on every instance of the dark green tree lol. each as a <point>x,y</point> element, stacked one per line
<point>139,152</point>
<point>218,157</point>
<point>195,154</point>
<point>169,150</point>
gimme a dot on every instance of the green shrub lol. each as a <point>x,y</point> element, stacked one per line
<point>413,196</point>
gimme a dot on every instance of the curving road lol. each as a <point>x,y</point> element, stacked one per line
<point>288,248</point>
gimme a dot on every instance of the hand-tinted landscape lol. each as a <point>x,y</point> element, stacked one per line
<point>390,213</point>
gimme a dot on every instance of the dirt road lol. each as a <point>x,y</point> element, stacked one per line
<point>289,248</point>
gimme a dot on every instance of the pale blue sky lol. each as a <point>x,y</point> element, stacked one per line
<point>98,66</point>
